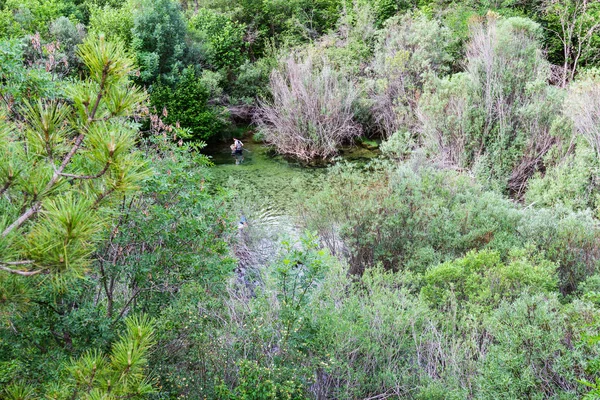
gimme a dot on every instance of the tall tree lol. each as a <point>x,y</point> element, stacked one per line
<point>159,32</point>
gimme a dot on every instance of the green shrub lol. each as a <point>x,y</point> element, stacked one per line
<point>158,38</point>
<point>31,16</point>
<point>221,39</point>
<point>571,182</point>
<point>258,383</point>
<point>533,352</point>
<point>497,117</point>
<point>186,105</point>
<point>18,83</point>
<point>411,49</point>
<point>570,239</point>
<point>408,219</point>
<point>481,278</point>
<point>114,23</point>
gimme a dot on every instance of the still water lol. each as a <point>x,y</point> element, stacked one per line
<point>266,189</point>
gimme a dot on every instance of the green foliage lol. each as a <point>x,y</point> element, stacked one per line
<point>592,369</point>
<point>568,238</point>
<point>385,9</point>
<point>64,163</point>
<point>187,106</point>
<point>573,34</point>
<point>496,118</point>
<point>166,247</point>
<point>481,278</point>
<point>114,23</point>
<point>95,375</point>
<point>436,287</point>
<point>158,38</point>
<point>257,383</point>
<point>528,334</point>
<point>571,182</point>
<point>67,36</point>
<point>18,83</point>
<point>122,373</point>
<point>221,39</point>
<point>296,275</point>
<point>411,50</point>
<point>31,16</point>
<point>253,80</point>
<point>409,219</point>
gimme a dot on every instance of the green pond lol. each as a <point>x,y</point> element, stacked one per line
<point>264,180</point>
<point>265,188</point>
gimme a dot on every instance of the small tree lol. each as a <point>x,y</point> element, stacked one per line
<point>574,24</point>
<point>60,167</point>
<point>311,112</point>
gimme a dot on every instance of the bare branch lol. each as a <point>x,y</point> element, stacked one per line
<point>4,267</point>
<point>311,112</point>
<point>24,217</point>
<point>5,187</point>
<point>98,175</point>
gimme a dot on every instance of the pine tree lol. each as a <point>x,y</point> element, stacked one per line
<point>95,375</point>
<point>63,162</point>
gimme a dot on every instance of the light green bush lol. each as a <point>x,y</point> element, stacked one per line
<point>411,49</point>
<point>535,349</point>
<point>571,182</point>
<point>114,23</point>
<point>481,278</point>
<point>221,39</point>
<point>497,117</point>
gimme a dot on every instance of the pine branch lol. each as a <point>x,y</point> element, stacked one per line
<point>57,173</point>
<point>102,196</point>
<point>5,266</point>
<point>96,176</point>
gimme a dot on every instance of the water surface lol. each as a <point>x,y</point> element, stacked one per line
<point>266,188</point>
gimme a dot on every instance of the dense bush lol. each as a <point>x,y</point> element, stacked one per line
<point>311,112</point>
<point>158,38</point>
<point>67,36</point>
<point>583,107</point>
<point>186,104</point>
<point>410,51</point>
<point>571,181</point>
<point>497,116</point>
<point>114,23</point>
<point>18,83</point>
<point>410,219</point>
<point>222,39</point>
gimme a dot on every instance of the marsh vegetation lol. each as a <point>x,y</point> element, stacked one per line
<point>414,213</point>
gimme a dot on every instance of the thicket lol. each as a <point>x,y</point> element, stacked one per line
<point>461,264</point>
